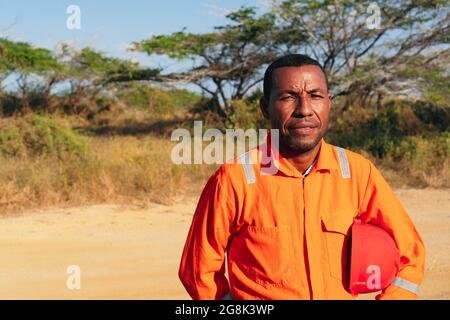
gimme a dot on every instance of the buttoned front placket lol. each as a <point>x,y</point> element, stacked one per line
<point>313,234</point>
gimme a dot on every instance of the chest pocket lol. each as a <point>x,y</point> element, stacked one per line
<point>265,254</point>
<point>336,230</point>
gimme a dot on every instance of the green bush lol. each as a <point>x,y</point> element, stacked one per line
<point>423,151</point>
<point>36,135</point>
<point>247,115</point>
<point>157,100</point>
<point>410,141</point>
<point>11,142</point>
<point>385,131</point>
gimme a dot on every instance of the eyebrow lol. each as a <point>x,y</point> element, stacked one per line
<point>292,91</point>
<point>316,90</point>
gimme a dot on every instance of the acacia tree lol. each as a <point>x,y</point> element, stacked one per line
<point>36,70</point>
<point>362,44</point>
<point>226,63</point>
<point>84,72</point>
<point>89,72</point>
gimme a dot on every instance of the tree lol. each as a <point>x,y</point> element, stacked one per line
<point>362,44</point>
<point>85,73</point>
<point>36,69</point>
<point>89,72</point>
<point>226,63</point>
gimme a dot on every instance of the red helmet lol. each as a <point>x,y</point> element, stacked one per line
<point>375,258</point>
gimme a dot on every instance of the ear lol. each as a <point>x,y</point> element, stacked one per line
<point>330,97</point>
<point>264,106</point>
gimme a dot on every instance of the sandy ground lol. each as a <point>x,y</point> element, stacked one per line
<point>133,253</point>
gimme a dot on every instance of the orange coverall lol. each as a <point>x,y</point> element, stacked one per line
<point>285,235</point>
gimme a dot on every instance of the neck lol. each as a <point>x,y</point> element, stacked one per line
<point>301,161</point>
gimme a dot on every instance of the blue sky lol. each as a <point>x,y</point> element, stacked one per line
<point>110,25</point>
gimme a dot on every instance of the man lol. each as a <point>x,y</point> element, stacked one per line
<point>286,234</point>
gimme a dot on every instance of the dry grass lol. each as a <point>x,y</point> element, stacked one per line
<point>115,170</point>
<point>428,167</point>
<point>403,175</point>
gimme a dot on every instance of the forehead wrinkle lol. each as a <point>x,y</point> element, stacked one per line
<point>305,86</point>
<point>305,82</point>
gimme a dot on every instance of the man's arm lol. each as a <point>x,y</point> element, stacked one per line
<point>381,207</point>
<point>202,268</point>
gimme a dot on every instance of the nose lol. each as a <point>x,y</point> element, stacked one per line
<point>303,108</point>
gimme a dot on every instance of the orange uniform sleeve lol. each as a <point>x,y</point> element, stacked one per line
<point>382,207</point>
<point>202,268</point>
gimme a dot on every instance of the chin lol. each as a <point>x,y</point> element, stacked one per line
<point>302,144</point>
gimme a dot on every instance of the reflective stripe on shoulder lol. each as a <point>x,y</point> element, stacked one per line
<point>343,162</point>
<point>248,168</point>
<point>407,285</point>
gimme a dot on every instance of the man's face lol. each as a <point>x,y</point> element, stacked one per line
<point>299,106</point>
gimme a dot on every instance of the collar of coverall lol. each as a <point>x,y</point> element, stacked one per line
<point>326,159</point>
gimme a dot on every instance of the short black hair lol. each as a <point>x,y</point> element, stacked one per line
<point>290,60</point>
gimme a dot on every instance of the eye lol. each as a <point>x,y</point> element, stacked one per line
<point>316,96</point>
<point>287,98</point>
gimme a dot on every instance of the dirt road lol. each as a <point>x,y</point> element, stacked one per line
<point>132,253</point>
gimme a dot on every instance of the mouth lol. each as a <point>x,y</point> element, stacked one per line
<point>303,129</point>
